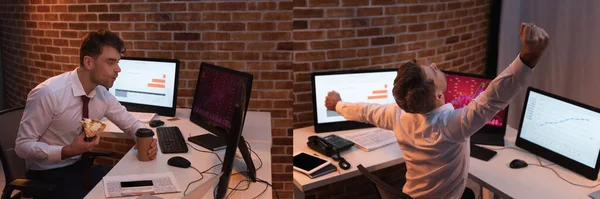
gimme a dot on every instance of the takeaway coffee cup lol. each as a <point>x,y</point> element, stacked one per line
<point>144,140</point>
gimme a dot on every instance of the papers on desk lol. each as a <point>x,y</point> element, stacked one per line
<point>162,183</point>
<point>371,140</point>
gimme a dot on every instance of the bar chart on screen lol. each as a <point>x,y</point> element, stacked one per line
<point>369,88</point>
<point>146,84</point>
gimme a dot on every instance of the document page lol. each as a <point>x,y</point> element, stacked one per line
<point>161,183</point>
<point>371,140</point>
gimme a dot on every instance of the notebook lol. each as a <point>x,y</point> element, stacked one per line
<point>323,171</point>
<point>372,139</point>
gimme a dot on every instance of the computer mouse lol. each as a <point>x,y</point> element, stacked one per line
<point>179,161</point>
<point>517,163</point>
<point>156,123</point>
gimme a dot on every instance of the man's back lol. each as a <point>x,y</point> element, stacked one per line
<point>436,166</point>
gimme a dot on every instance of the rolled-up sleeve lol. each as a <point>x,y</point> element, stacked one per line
<point>119,115</point>
<point>464,122</point>
<point>34,123</point>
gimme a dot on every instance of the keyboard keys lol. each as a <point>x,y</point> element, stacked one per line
<point>171,140</point>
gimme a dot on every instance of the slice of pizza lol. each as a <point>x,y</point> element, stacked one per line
<point>92,127</point>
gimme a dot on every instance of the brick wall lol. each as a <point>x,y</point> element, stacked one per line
<point>41,39</point>
<point>364,34</point>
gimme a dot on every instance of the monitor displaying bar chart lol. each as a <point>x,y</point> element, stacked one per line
<point>359,86</point>
<point>146,82</point>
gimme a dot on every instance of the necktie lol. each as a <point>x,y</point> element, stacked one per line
<point>86,101</point>
<point>85,111</point>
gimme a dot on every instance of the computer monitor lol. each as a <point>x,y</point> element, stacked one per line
<point>371,86</point>
<point>561,130</point>
<point>462,88</point>
<point>147,85</point>
<point>215,97</point>
<point>234,140</point>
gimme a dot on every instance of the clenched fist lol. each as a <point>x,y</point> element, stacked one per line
<point>534,40</point>
<point>332,99</point>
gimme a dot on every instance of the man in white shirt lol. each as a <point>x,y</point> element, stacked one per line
<point>433,136</point>
<point>50,136</point>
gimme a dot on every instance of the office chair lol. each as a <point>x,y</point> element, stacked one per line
<point>14,166</point>
<point>383,189</point>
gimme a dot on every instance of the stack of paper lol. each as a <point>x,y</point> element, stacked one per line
<point>161,183</point>
<point>371,140</point>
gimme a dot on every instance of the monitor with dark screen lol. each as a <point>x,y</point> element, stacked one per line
<point>463,88</point>
<point>215,97</point>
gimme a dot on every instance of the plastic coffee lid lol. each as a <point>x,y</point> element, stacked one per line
<point>144,132</point>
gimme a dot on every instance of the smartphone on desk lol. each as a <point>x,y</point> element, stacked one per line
<point>136,188</point>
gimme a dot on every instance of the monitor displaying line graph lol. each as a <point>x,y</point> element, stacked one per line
<point>562,127</point>
<point>369,87</point>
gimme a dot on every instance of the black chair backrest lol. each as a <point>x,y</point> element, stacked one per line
<point>13,165</point>
<point>384,190</point>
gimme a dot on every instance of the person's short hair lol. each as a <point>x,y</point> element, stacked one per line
<point>413,92</point>
<point>93,43</point>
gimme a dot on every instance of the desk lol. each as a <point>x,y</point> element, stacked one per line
<point>257,131</point>
<point>378,159</point>
<point>494,175</point>
<point>529,182</point>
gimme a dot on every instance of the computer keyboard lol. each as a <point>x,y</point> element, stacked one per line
<point>171,140</point>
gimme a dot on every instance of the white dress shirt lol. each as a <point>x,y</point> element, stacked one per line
<point>51,119</point>
<point>435,146</point>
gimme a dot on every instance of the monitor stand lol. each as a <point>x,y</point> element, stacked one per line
<point>214,143</point>
<point>209,141</point>
<point>247,158</point>
<point>488,139</point>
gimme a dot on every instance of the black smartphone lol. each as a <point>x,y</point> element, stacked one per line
<point>140,183</point>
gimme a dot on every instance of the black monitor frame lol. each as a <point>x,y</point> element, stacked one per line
<point>165,111</point>
<point>206,123</point>
<point>497,130</point>
<point>342,125</point>
<point>234,141</point>
<point>566,162</point>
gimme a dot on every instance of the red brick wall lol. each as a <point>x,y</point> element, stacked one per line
<point>362,34</point>
<point>41,39</point>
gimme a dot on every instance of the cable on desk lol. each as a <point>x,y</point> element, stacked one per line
<point>515,148</point>
<point>268,184</point>
<point>205,152</point>
<point>188,186</point>
<point>255,154</point>
<point>546,166</point>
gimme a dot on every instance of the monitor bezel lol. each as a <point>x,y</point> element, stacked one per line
<point>206,123</point>
<point>568,163</point>
<point>486,127</point>
<point>164,111</point>
<point>342,125</point>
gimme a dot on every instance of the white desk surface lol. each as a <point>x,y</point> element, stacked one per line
<point>529,182</point>
<point>495,175</point>
<point>257,131</point>
<point>378,159</point>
